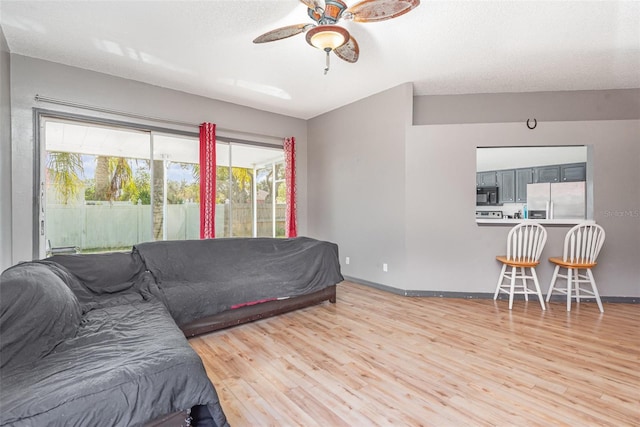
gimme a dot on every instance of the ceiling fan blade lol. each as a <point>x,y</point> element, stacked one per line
<point>379,10</point>
<point>282,33</point>
<point>349,51</point>
<point>313,4</point>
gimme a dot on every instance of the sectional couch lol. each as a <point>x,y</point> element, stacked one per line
<point>100,339</point>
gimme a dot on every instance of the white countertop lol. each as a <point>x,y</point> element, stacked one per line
<point>513,221</point>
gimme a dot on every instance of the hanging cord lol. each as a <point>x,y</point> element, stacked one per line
<point>326,70</point>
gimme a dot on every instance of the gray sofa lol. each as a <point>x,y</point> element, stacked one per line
<point>100,339</point>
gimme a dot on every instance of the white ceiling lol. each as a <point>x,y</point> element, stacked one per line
<point>443,47</point>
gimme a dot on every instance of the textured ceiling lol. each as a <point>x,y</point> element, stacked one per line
<point>443,47</point>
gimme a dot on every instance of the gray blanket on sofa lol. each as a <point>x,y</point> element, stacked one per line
<point>200,278</point>
<point>121,363</point>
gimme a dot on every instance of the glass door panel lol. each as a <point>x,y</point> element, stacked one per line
<point>176,189</point>
<point>280,199</point>
<point>93,179</point>
<point>264,201</point>
<point>223,197</point>
<point>253,202</point>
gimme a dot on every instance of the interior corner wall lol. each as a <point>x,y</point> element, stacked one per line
<point>31,77</point>
<point>356,183</point>
<point>5,154</point>
<point>448,252</point>
<point>417,212</point>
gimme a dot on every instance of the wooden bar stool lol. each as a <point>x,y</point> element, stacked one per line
<point>525,242</point>
<point>582,245</point>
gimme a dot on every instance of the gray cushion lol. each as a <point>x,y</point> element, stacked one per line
<point>37,312</point>
<point>104,273</point>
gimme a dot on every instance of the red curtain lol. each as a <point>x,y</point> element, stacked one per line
<point>290,179</point>
<point>207,180</point>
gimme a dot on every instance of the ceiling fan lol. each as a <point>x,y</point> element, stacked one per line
<point>328,36</point>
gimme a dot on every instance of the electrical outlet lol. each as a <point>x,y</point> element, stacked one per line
<point>385,267</point>
<point>347,260</point>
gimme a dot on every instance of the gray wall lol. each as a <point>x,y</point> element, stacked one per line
<point>357,183</point>
<point>384,190</point>
<point>426,231</point>
<point>448,251</point>
<point>32,76</point>
<point>5,154</point>
<point>621,104</point>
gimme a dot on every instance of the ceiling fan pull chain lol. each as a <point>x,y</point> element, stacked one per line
<point>326,69</point>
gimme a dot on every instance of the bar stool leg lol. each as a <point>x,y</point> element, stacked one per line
<point>553,282</point>
<point>500,280</point>
<point>595,290</point>
<point>535,282</point>
<point>569,280</point>
<point>513,285</point>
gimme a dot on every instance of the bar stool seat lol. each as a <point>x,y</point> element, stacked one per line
<point>568,264</point>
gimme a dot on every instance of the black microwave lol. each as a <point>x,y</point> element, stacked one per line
<point>487,196</point>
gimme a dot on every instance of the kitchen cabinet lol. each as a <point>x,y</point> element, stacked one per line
<point>507,186</point>
<point>512,183</point>
<point>573,172</point>
<point>486,179</point>
<point>523,178</point>
<point>547,174</point>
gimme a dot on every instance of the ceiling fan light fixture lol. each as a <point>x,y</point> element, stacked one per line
<point>327,37</point>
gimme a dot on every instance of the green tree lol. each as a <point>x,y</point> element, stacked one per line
<point>264,182</point>
<point>90,189</point>
<point>158,199</point>
<point>140,187</point>
<point>65,171</point>
<point>101,178</point>
<point>112,175</point>
<point>241,183</point>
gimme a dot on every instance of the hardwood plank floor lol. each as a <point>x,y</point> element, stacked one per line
<point>376,358</point>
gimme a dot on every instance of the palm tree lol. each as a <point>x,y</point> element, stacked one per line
<point>112,175</point>
<point>242,179</point>
<point>102,178</point>
<point>158,199</point>
<point>65,170</point>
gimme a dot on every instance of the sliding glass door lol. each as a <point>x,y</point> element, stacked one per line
<point>96,187</point>
<point>106,188</point>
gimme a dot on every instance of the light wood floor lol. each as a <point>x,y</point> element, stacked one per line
<point>375,358</point>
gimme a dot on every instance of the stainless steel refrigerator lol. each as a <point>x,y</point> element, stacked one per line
<point>562,200</point>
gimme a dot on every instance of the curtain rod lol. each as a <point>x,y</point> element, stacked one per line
<point>48,100</point>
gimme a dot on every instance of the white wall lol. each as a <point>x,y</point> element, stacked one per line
<point>31,76</point>
<point>5,154</point>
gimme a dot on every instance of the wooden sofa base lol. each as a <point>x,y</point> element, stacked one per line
<point>255,312</point>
